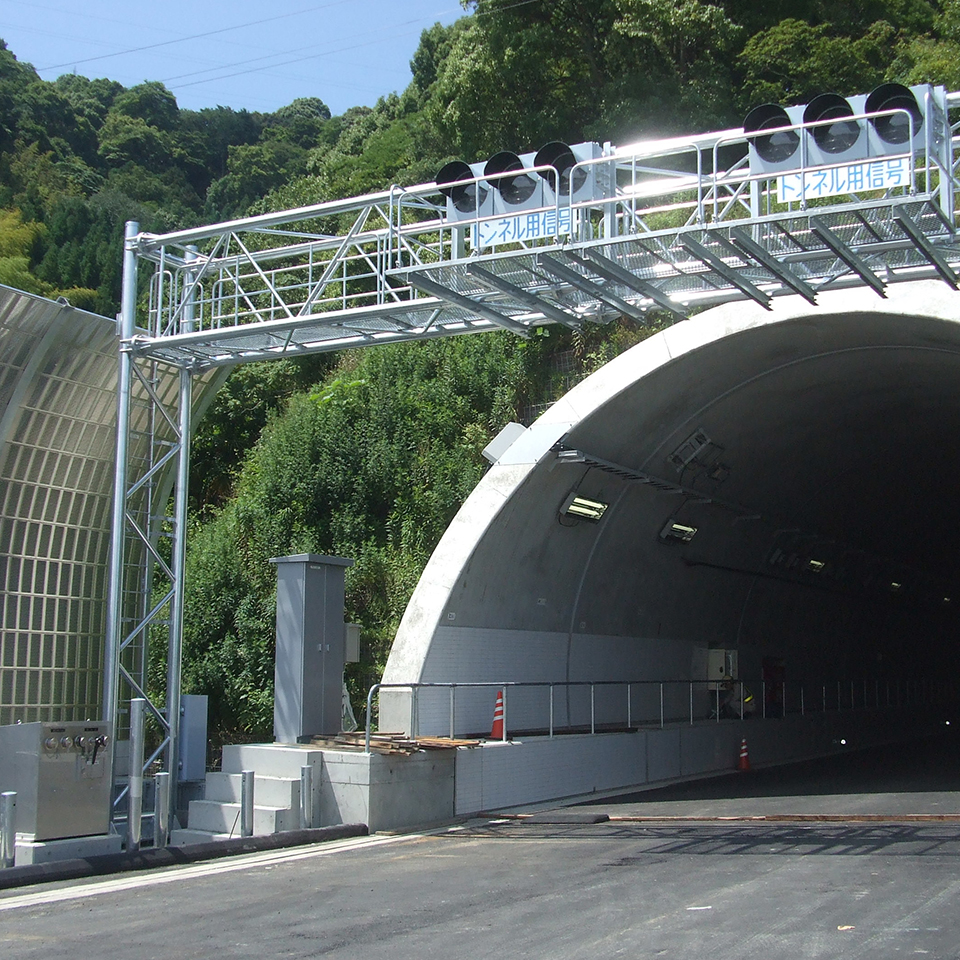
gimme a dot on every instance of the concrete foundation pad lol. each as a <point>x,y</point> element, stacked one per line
<point>74,848</point>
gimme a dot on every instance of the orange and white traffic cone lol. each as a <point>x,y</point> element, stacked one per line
<point>744,763</point>
<point>496,732</point>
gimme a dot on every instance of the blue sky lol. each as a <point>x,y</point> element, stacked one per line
<point>258,56</point>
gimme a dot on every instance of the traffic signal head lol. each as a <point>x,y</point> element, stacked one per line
<point>562,175</point>
<point>770,146</point>
<point>831,129</point>
<point>514,188</point>
<point>510,183</point>
<point>834,132</point>
<point>465,196</point>
<point>895,128</point>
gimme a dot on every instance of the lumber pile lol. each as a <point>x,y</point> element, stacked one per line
<point>390,743</point>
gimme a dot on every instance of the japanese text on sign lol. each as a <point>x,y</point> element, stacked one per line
<point>522,227</point>
<point>852,178</point>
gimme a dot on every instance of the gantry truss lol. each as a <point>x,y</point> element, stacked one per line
<point>684,225</point>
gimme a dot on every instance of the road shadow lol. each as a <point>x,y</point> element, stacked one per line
<point>931,765</point>
<point>650,840</point>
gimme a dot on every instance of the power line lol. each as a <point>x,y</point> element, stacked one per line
<point>198,36</point>
<point>284,63</point>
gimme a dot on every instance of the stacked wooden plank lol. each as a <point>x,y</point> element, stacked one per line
<point>390,743</point>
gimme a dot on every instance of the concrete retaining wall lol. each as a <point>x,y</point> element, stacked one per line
<point>389,792</point>
<point>516,773</point>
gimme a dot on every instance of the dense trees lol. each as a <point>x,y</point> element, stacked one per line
<point>369,455</point>
<point>371,463</point>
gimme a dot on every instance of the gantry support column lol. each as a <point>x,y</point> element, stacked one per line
<point>114,620</point>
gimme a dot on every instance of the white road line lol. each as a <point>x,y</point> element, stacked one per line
<point>173,874</point>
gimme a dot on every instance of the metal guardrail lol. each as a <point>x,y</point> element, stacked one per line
<point>705,700</point>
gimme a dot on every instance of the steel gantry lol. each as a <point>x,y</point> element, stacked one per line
<point>674,226</point>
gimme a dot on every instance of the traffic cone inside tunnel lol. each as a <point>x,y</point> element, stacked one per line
<point>744,763</point>
<point>496,731</point>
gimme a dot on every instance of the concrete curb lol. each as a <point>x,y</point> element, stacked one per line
<point>171,856</point>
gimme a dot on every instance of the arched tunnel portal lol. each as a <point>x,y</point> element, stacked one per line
<point>779,483</point>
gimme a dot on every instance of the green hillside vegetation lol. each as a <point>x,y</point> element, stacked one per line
<point>368,455</point>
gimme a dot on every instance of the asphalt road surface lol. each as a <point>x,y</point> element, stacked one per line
<point>557,885</point>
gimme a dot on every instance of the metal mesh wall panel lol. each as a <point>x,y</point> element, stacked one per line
<point>58,407</point>
<point>57,430</point>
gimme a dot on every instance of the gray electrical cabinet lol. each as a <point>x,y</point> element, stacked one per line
<point>62,776</point>
<point>193,737</point>
<point>311,640</point>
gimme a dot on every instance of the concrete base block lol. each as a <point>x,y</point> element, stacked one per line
<point>74,848</point>
<point>184,837</point>
<point>387,792</point>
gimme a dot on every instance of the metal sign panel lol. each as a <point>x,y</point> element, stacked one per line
<point>849,178</point>
<point>522,228</point>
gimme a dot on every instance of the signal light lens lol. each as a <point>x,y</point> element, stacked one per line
<point>503,170</point>
<point>561,158</point>
<point>771,147</point>
<point>896,127</point>
<point>466,197</point>
<point>832,137</point>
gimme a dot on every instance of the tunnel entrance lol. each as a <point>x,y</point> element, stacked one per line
<point>778,484</point>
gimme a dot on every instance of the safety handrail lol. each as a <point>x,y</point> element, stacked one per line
<point>810,697</point>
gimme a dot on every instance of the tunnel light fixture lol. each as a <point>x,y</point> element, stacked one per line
<point>691,450</point>
<point>815,566</point>
<point>895,586</point>
<point>582,508</point>
<point>681,532</point>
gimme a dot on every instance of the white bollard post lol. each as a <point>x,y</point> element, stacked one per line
<point>161,810</point>
<point>306,797</point>
<point>8,829</point>
<point>246,803</point>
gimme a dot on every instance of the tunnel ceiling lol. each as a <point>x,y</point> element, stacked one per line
<point>841,426</point>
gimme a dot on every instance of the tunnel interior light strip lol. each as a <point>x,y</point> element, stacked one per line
<point>673,530</point>
<point>583,508</point>
<point>792,558</point>
<point>625,473</point>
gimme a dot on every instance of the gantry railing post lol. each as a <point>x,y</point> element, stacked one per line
<point>179,551</point>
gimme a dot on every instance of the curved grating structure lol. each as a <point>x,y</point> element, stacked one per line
<point>58,410</point>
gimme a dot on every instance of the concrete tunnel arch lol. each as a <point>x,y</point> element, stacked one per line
<point>830,436</point>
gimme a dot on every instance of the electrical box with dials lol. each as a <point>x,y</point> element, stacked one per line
<point>61,773</point>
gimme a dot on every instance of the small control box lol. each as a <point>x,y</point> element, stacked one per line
<point>61,772</point>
